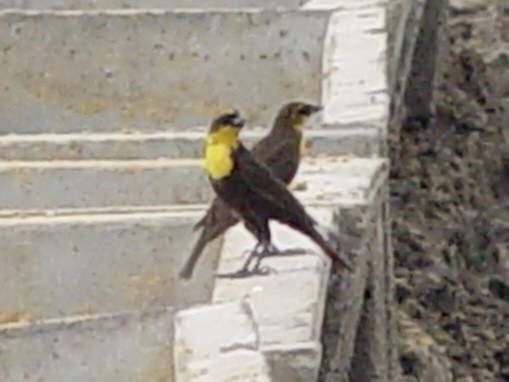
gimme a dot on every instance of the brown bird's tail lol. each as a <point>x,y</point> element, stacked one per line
<point>327,248</point>
<point>188,268</point>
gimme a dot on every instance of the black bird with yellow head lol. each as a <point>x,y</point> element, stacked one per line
<point>281,150</point>
<point>222,139</point>
<point>253,192</point>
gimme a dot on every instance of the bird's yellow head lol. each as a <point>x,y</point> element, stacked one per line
<point>295,114</point>
<point>221,140</point>
<point>225,129</point>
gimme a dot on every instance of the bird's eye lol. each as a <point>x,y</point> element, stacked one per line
<point>236,119</point>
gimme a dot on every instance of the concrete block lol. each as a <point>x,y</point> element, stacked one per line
<point>147,4</point>
<point>281,317</point>
<point>218,343</point>
<point>429,53</point>
<point>94,184</point>
<point>356,326</point>
<point>139,70</point>
<point>370,361</point>
<point>287,305</point>
<point>102,261</point>
<point>173,145</point>
<point>344,307</point>
<point>404,24</point>
<point>98,263</point>
<point>119,347</point>
<point>238,365</point>
<point>106,184</point>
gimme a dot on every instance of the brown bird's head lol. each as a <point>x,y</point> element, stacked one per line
<point>295,114</point>
<point>228,121</point>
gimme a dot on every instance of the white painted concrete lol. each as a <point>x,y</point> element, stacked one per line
<point>218,343</point>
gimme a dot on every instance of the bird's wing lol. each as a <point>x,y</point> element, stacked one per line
<point>279,156</point>
<point>268,146</point>
<point>262,181</point>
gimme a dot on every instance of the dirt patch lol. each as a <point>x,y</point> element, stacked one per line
<point>450,187</point>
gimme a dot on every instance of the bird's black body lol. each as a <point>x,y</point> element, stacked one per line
<point>280,151</point>
<point>257,196</point>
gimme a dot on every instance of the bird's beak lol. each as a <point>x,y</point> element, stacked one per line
<point>312,109</point>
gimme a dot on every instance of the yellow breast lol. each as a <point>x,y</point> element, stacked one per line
<point>218,162</point>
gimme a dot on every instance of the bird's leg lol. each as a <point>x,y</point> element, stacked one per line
<point>245,271</point>
<point>253,254</point>
<point>268,249</point>
<point>249,252</point>
<point>272,250</point>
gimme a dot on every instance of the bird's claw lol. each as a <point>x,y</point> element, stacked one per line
<point>243,273</point>
<point>240,274</point>
<point>265,270</point>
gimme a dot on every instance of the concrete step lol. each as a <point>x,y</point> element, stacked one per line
<point>130,346</point>
<point>134,70</point>
<point>147,4</point>
<point>101,260</point>
<point>218,343</point>
<point>172,145</point>
<point>99,263</point>
<point>92,184</point>
<point>115,184</point>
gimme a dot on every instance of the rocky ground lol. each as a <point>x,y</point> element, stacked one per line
<point>450,187</point>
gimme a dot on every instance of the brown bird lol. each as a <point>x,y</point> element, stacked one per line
<point>256,195</point>
<point>281,150</point>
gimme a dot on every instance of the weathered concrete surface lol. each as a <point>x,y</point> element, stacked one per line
<point>218,343</point>
<point>57,265</point>
<point>181,85</point>
<point>116,184</point>
<point>111,93</point>
<point>134,76</point>
<point>288,305</point>
<point>355,87</point>
<point>372,344</point>
<point>146,4</point>
<point>170,145</point>
<point>99,263</point>
<point>357,343</point>
<point>345,302</point>
<point>91,184</point>
<point>430,46</point>
<point>119,347</point>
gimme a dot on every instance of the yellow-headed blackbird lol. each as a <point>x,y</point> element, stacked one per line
<point>280,150</point>
<point>250,189</point>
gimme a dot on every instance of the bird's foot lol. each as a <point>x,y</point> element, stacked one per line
<point>274,251</point>
<point>245,272</point>
<point>255,256</point>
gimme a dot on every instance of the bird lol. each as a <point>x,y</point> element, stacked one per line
<point>281,150</point>
<point>254,193</point>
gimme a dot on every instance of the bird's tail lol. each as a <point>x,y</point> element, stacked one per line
<point>327,248</point>
<point>188,268</point>
<point>200,223</point>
